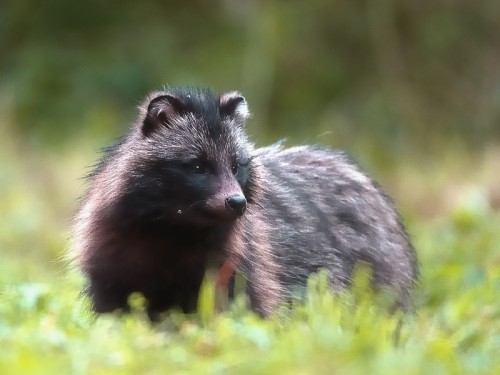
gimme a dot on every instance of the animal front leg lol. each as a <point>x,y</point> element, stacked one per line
<point>107,296</point>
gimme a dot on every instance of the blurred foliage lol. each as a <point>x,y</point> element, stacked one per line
<point>457,328</point>
<point>411,89</point>
<point>392,72</point>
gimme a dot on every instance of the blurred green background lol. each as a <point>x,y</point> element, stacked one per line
<point>411,89</point>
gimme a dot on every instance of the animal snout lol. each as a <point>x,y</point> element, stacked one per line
<point>236,204</point>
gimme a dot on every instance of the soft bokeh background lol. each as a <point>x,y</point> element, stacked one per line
<point>411,89</point>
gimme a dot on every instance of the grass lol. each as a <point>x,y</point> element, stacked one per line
<point>45,328</point>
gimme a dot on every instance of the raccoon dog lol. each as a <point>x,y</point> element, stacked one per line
<point>186,190</point>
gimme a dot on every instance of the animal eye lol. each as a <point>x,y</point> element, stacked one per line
<point>198,168</point>
<point>234,168</point>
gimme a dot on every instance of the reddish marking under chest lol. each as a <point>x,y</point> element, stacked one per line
<point>226,271</point>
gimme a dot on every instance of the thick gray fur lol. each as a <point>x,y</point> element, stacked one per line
<point>156,216</point>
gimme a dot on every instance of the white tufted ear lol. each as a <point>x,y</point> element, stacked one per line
<point>233,104</point>
<point>162,109</point>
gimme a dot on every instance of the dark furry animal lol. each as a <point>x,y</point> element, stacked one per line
<point>186,190</point>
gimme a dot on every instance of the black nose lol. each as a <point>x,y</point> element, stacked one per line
<point>236,204</point>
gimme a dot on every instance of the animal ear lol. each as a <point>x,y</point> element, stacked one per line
<point>162,110</point>
<point>233,104</point>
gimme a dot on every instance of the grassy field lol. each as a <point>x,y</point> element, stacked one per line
<point>45,328</point>
<point>411,89</point>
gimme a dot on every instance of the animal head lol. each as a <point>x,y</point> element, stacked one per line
<point>192,160</point>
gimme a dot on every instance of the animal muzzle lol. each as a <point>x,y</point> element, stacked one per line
<point>236,205</point>
<point>225,208</point>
